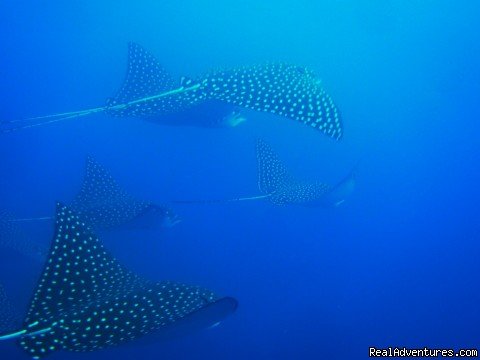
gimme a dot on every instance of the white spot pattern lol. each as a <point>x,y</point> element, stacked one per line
<point>288,91</point>
<point>89,301</point>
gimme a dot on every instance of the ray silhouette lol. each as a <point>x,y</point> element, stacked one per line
<point>87,301</point>
<point>104,204</point>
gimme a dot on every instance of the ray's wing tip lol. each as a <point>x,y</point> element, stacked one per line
<point>133,45</point>
<point>62,211</point>
<point>90,160</point>
<point>261,143</point>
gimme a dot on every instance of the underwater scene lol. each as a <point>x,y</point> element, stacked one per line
<point>239,180</point>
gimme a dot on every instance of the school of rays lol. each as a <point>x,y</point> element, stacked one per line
<point>86,300</point>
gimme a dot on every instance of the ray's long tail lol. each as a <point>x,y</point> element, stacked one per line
<point>10,125</point>
<point>222,201</point>
<point>32,219</point>
<point>24,333</point>
<point>199,201</point>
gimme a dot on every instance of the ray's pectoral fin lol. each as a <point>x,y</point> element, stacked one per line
<point>102,202</point>
<point>149,89</point>
<point>145,77</point>
<point>285,90</point>
<point>275,179</point>
<point>78,277</point>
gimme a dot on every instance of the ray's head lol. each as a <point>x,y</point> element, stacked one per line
<point>167,217</point>
<point>234,119</point>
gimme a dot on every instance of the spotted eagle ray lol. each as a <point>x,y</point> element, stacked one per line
<point>275,180</point>
<point>277,185</point>
<point>86,300</point>
<point>288,91</point>
<point>104,204</point>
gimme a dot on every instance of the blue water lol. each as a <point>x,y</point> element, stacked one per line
<point>396,265</point>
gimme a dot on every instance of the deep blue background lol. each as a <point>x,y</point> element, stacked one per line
<point>397,265</point>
